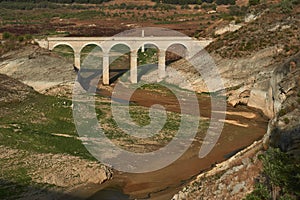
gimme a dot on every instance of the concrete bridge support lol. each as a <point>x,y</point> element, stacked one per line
<point>161,64</point>
<point>133,66</point>
<point>105,75</point>
<point>77,59</point>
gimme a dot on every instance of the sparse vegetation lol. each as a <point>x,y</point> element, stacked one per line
<point>30,126</point>
<point>280,178</point>
<point>12,42</point>
<point>286,120</point>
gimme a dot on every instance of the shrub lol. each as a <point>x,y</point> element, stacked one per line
<point>28,37</point>
<point>20,38</point>
<point>253,2</point>
<point>6,35</point>
<point>281,174</point>
<point>260,192</point>
<point>286,120</point>
<point>286,6</point>
<point>282,112</point>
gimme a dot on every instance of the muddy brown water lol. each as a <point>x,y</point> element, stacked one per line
<point>164,183</point>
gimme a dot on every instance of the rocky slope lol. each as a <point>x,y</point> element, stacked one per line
<point>37,68</point>
<point>247,57</point>
<point>235,178</point>
<point>12,90</point>
<point>266,76</point>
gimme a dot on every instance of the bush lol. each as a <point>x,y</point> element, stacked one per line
<point>281,174</point>
<point>28,37</point>
<point>253,2</point>
<point>282,112</point>
<point>6,35</point>
<point>20,38</point>
<point>286,6</point>
<point>286,120</point>
<point>260,192</point>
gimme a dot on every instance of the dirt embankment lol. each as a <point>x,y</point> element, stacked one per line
<point>37,68</point>
<point>63,172</point>
<point>13,90</point>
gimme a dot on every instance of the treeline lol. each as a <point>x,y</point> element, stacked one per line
<point>179,2</point>
<point>52,4</point>
<point>199,2</point>
<point>57,1</point>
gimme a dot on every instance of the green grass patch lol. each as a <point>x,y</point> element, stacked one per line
<point>31,125</point>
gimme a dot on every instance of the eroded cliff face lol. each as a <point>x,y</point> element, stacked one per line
<point>284,128</point>
<point>269,94</point>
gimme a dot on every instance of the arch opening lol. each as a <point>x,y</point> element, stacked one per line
<point>93,52</point>
<point>91,62</point>
<point>147,59</point>
<point>119,61</point>
<point>148,54</point>
<point>64,50</point>
<point>176,52</point>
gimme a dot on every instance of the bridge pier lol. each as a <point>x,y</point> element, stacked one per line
<point>105,74</point>
<point>133,66</point>
<point>162,64</point>
<point>77,60</point>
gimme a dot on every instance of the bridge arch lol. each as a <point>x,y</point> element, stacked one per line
<point>148,52</point>
<point>119,44</point>
<point>119,58</point>
<point>62,43</point>
<point>94,53</point>
<point>90,44</point>
<point>176,51</point>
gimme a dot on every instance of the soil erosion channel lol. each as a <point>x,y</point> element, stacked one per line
<point>242,127</point>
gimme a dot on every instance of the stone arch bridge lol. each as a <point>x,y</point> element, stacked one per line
<point>133,43</point>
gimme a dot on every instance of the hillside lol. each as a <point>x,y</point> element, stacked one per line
<point>41,156</point>
<point>260,64</point>
<point>12,90</point>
